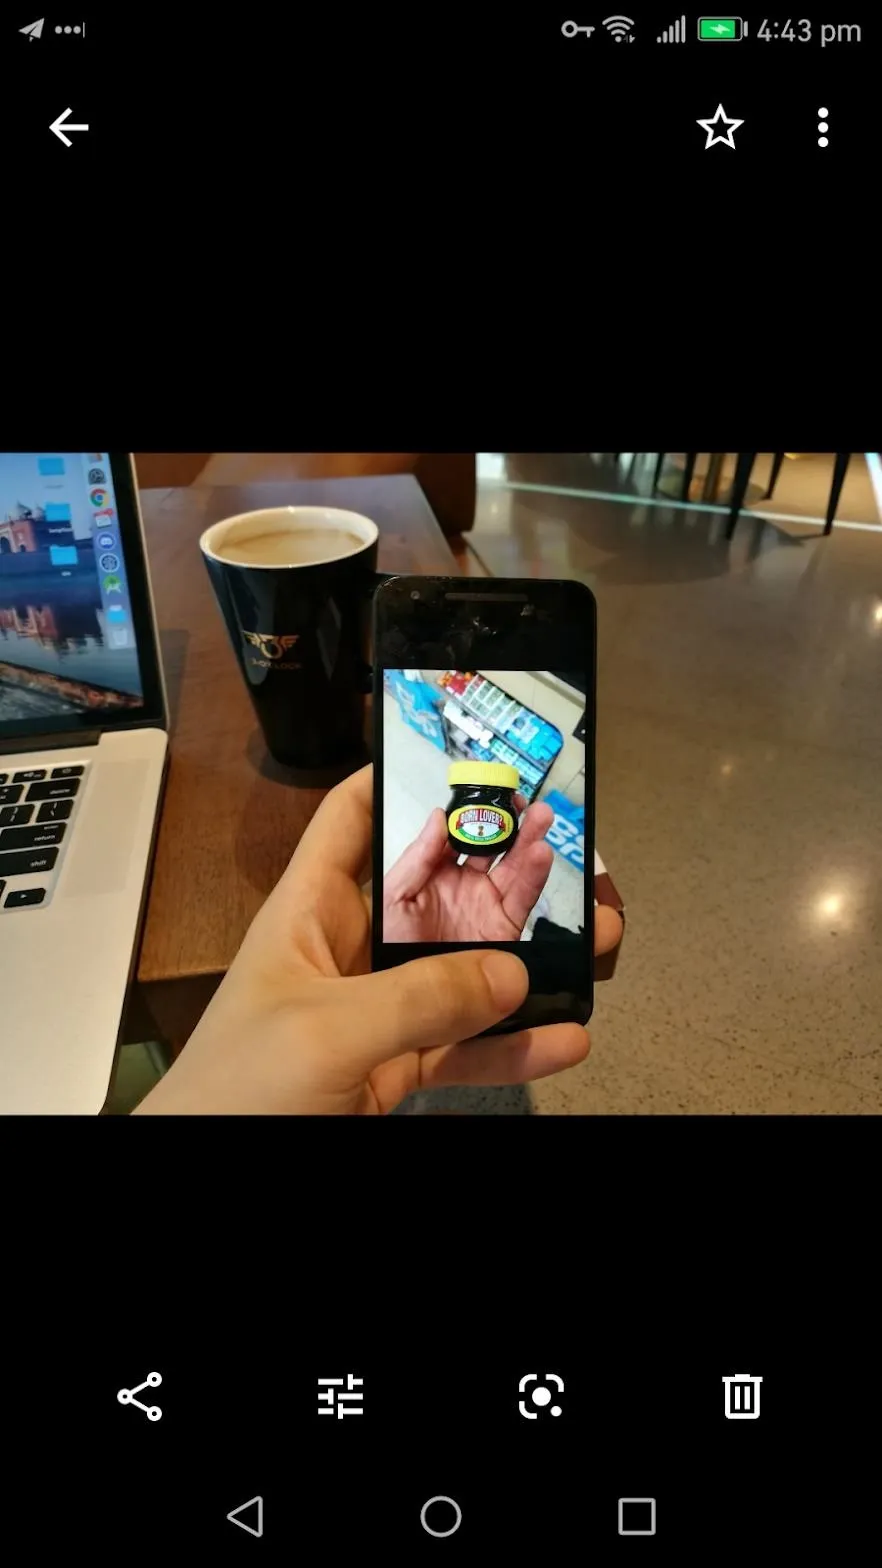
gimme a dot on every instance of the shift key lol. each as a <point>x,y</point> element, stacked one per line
<point>27,862</point>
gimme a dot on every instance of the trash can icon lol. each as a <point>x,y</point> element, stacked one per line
<point>742,1396</point>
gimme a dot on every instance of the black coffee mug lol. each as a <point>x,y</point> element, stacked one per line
<point>299,624</point>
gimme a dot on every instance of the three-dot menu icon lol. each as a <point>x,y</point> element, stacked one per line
<point>823,128</point>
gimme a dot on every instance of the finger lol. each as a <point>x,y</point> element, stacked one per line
<point>412,870</point>
<point>536,821</point>
<point>512,1058</point>
<point>608,929</point>
<point>425,1003</point>
<point>520,803</point>
<point>524,871</point>
<point>524,892</point>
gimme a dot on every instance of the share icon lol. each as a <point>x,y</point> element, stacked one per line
<point>126,1396</point>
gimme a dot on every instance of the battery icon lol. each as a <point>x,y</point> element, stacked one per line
<point>720,29</point>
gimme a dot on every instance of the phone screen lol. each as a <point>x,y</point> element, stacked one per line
<point>484,777</point>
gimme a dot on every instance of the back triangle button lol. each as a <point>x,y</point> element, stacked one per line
<point>249,1516</point>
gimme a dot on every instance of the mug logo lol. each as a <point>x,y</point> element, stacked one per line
<point>269,645</point>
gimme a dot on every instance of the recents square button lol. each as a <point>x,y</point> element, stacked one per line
<point>636,1516</point>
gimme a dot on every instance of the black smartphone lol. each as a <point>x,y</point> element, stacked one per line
<point>483,724</point>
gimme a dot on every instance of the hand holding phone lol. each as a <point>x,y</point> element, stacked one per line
<point>429,897</point>
<point>484,779</point>
<point>299,1025</point>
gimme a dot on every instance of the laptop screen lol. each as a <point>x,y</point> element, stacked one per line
<point>68,648</point>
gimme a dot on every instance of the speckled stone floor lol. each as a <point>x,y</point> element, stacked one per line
<point>739,807</point>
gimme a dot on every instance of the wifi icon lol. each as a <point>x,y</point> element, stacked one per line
<point>620,28</point>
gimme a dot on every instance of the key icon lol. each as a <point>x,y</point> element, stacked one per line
<point>572,29</point>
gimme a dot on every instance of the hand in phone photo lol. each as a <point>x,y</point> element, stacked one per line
<point>429,897</point>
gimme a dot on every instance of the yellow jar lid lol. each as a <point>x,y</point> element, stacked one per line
<point>482,773</point>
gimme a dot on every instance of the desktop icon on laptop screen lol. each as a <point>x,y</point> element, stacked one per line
<point>66,639</point>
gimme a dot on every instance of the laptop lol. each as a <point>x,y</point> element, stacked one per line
<point>83,748</point>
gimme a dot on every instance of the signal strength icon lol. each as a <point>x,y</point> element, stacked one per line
<point>675,34</point>
<point>619,27</point>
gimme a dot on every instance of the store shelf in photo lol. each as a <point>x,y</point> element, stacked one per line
<point>510,731</point>
<point>470,717</point>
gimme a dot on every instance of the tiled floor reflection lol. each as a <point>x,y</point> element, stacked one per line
<point>739,806</point>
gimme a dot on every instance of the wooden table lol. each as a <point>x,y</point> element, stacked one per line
<point>231,816</point>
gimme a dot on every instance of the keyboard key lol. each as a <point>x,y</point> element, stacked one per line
<point>14,816</point>
<point>52,811</point>
<point>68,773</point>
<point>32,838</point>
<point>10,793</point>
<point>27,774</point>
<point>59,791</point>
<point>27,862</point>
<point>25,895</point>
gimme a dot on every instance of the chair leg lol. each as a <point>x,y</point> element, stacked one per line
<point>739,489</point>
<point>658,468</point>
<point>688,471</point>
<point>777,460</point>
<point>839,470</point>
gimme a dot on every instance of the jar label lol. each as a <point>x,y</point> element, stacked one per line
<point>480,824</point>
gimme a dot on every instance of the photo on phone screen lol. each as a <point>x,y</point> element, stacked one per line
<point>485,790</point>
<point>471,746</point>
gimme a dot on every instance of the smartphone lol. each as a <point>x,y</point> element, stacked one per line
<point>483,743</point>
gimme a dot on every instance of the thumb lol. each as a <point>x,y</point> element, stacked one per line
<point>413,868</point>
<point>431,1001</point>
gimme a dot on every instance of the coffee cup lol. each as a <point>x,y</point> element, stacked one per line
<point>293,584</point>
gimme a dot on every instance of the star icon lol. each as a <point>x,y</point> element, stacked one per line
<point>725,138</point>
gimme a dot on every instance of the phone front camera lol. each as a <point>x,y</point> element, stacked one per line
<point>415,593</point>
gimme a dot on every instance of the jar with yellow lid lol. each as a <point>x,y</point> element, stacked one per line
<point>482,817</point>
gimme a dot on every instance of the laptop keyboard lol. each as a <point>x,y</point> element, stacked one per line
<point>37,808</point>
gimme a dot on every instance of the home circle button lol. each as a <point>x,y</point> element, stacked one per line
<point>441,1516</point>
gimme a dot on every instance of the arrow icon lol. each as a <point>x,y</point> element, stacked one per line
<point>63,121</point>
<point>255,1506</point>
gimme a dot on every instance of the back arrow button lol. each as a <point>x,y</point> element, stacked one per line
<point>62,120</point>
<point>249,1516</point>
